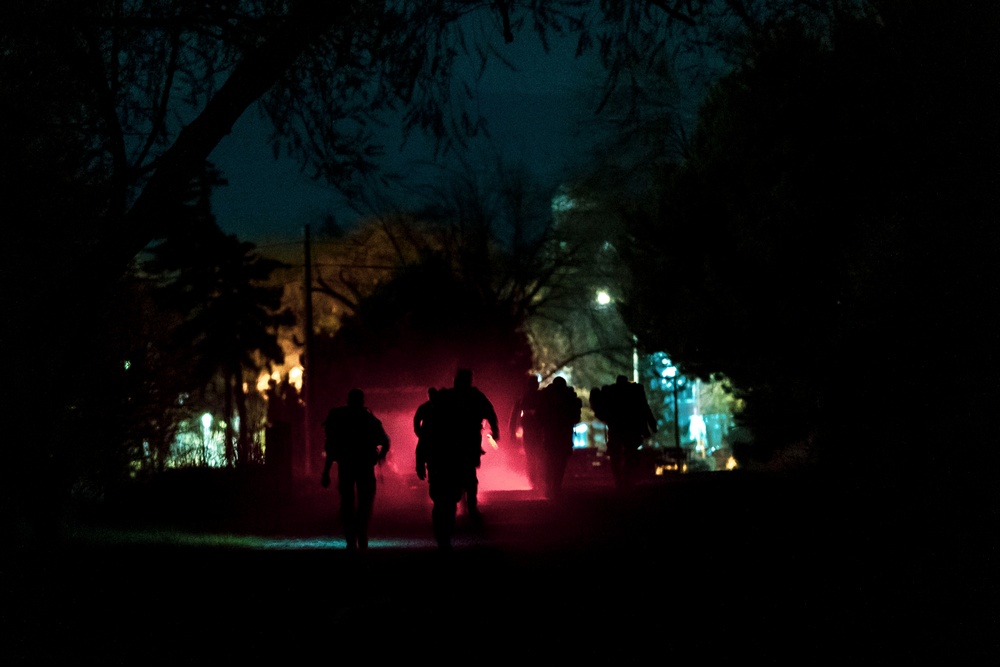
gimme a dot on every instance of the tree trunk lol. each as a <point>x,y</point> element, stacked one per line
<point>230,453</point>
<point>250,80</point>
<point>244,453</point>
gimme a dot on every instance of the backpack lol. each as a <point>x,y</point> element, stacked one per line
<point>353,435</point>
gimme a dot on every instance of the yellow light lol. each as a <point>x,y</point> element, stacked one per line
<point>295,377</point>
<point>731,464</point>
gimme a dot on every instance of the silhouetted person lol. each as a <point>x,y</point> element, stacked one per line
<point>423,413</point>
<point>425,427</point>
<point>623,408</point>
<point>284,414</point>
<point>524,415</point>
<point>284,442</point>
<point>450,450</point>
<point>356,440</point>
<point>559,410</point>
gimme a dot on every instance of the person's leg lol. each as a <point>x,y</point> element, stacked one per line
<point>631,466</point>
<point>446,491</point>
<point>366,501</point>
<point>348,513</point>
<point>567,454</point>
<point>535,468</point>
<point>548,464</point>
<point>472,494</point>
<point>443,519</point>
<point>557,472</point>
<point>616,457</point>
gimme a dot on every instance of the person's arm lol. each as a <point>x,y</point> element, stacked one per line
<point>421,460</point>
<point>491,417</point>
<point>384,449</point>
<point>418,417</point>
<point>515,417</point>
<point>324,479</point>
<point>650,417</point>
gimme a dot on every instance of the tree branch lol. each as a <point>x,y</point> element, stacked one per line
<point>673,12</point>
<point>253,77</point>
<point>586,353</point>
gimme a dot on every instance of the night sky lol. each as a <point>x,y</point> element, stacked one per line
<point>534,115</point>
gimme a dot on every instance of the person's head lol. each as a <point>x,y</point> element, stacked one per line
<point>463,378</point>
<point>621,379</point>
<point>356,398</point>
<point>559,381</point>
<point>431,392</point>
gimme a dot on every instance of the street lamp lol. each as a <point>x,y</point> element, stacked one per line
<point>206,425</point>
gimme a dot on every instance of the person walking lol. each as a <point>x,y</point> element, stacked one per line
<point>523,425</point>
<point>622,406</point>
<point>559,411</point>
<point>450,451</point>
<point>357,442</point>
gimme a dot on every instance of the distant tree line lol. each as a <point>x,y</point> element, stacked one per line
<point>830,215</point>
<point>823,234</point>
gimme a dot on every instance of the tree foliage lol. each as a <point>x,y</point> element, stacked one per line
<point>111,110</point>
<point>230,314</point>
<point>419,294</point>
<point>488,261</point>
<point>826,241</point>
<point>154,86</point>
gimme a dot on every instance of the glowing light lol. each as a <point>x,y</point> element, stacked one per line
<point>603,298</point>
<point>295,377</point>
<point>502,470</point>
<point>731,464</point>
<point>206,421</point>
<point>699,433</point>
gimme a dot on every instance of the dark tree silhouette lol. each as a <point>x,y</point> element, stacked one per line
<point>827,241</point>
<point>231,314</point>
<point>118,106</point>
<point>486,254</point>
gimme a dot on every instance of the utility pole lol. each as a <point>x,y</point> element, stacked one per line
<point>307,366</point>
<point>675,377</point>
<point>677,416</point>
<point>635,359</point>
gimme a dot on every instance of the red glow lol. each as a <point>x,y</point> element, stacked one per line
<point>503,469</point>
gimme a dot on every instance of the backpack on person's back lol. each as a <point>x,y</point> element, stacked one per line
<point>353,435</point>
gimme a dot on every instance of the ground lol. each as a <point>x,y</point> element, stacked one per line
<point>719,565</point>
